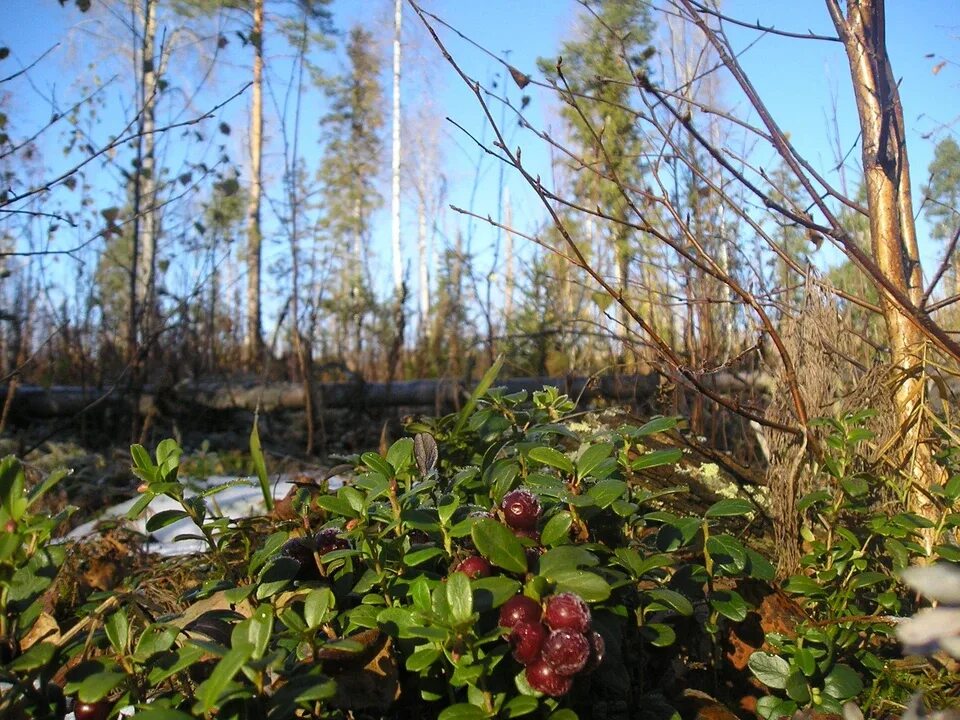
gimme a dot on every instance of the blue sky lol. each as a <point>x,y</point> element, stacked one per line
<point>797,78</point>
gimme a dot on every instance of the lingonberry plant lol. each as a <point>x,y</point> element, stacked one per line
<point>503,561</point>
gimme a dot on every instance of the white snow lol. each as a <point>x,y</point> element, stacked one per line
<point>242,500</point>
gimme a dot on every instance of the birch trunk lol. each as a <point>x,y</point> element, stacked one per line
<point>892,231</point>
<point>395,195</point>
<point>252,342</point>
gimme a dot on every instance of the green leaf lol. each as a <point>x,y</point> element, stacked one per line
<point>48,482</point>
<point>797,688</point>
<point>607,491</point>
<point>118,630</point>
<point>842,683</point>
<point>98,686</point>
<point>150,713</point>
<point>520,705</point>
<point>592,457</point>
<point>462,711</point>
<point>664,598</point>
<point>259,464</point>
<point>552,457</point>
<point>400,454</point>
<point>422,658</point>
<point>498,545</point>
<point>729,507</point>
<point>418,557</point>
<point>557,529</point>
<point>566,557</point>
<point>730,604</point>
<point>154,639</point>
<point>657,458</point>
<point>210,690</point>
<point>260,627</point>
<point>659,634</point>
<point>175,662</point>
<point>771,670</point>
<point>866,579</point>
<point>459,597</point>
<point>727,549</point>
<point>774,708</point>
<point>492,592</point>
<point>39,655</point>
<point>276,576</point>
<point>805,661</point>
<point>563,714</point>
<point>657,425</point>
<point>802,585</point>
<point>813,498</point>
<point>376,463</point>
<point>164,518</point>
<point>589,586</point>
<point>485,382</point>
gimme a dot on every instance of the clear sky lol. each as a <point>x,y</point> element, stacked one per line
<point>801,81</point>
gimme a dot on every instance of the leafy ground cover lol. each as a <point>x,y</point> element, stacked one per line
<point>508,560</point>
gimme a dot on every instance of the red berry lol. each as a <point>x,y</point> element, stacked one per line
<point>300,550</point>
<point>521,509</point>
<point>545,679</point>
<point>475,567</point>
<point>567,611</point>
<point>99,710</point>
<point>329,540</point>
<point>526,639</point>
<point>566,651</point>
<point>597,650</point>
<point>520,608</point>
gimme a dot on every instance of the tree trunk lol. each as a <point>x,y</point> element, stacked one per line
<point>395,170</point>
<point>892,231</point>
<point>253,342</point>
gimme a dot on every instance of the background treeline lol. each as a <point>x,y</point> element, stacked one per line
<point>145,238</point>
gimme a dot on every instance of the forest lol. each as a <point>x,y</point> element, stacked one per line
<point>442,359</point>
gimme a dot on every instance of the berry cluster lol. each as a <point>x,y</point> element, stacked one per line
<point>554,641</point>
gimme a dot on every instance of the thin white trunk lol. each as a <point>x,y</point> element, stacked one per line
<point>146,257</point>
<point>395,197</point>
<point>252,337</point>
<point>424,267</point>
<point>508,280</point>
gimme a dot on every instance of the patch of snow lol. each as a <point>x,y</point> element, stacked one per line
<point>243,499</point>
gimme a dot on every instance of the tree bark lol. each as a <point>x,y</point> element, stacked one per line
<point>253,341</point>
<point>892,230</point>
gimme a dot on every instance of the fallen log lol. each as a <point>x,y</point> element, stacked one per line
<point>31,401</point>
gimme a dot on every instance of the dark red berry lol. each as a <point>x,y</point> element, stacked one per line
<point>521,509</point>
<point>475,567</point>
<point>526,639</point>
<point>566,651</point>
<point>99,710</point>
<point>300,550</point>
<point>328,540</point>
<point>567,611</point>
<point>519,608</point>
<point>597,650</point>
<point>545,679</point>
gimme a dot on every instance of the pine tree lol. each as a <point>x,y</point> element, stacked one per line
<point>352,131</point>
<point>600,69</point>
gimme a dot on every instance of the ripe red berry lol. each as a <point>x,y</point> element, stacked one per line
<point>545,679</point>
<point>328,540</point>
<point>99,710</point>
<point>597,650</point>
<point>520,608</point>
<point>526,639</point>
<point>300,550</point>
<point>475,567</point>
<point>567,611</point>
<point>521,509</point>
<point>566,651</point>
